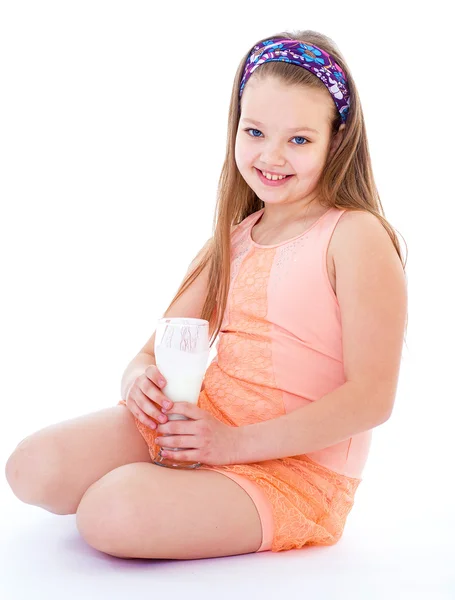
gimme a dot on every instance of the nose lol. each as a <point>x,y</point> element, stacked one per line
<point>271,155</point>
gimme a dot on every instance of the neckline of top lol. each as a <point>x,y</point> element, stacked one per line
<point>254,221</point>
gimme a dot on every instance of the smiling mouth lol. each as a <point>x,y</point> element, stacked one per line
<point>281,175</point>
<point>272,182</point>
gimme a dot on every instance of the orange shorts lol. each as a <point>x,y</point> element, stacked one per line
<point>261,501</point>
<point>299,501</point>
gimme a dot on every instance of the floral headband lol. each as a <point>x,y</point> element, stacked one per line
<point>309,57</point>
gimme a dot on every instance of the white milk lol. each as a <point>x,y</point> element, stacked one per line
<point>184,373</point>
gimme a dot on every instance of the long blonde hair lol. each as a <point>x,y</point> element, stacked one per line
<point>346,182</point>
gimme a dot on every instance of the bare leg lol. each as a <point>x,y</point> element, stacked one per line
<point>54,467</point>
<point>145,511</point>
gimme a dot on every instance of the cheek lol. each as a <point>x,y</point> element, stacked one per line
<point>243,156</point>
<point>238,154</point>
<point>309,165</point>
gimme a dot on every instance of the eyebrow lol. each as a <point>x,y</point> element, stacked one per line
<point>290,129</point>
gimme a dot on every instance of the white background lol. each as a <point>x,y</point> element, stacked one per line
<point>113,132</point>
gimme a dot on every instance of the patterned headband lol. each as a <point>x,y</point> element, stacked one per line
<point>309,57</point>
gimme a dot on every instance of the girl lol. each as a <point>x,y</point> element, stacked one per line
<point>304,281</point>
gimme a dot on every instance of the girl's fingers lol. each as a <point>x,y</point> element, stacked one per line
<point>140,415</point>
<point>148,407</point>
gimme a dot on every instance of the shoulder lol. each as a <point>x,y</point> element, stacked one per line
<point>356,228</point>
<point>361,244</point>
<point>354,218</point>
<point>244,222</point>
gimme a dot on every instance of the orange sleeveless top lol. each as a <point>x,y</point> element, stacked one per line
<point>280,343</point>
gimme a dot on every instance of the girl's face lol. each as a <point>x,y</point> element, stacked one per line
<point>275,135</point>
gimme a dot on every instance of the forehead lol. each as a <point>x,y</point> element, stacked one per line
<point>280,105</point>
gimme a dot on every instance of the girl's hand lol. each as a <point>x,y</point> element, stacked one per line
<point>208,440</point>
<point>145,398</point>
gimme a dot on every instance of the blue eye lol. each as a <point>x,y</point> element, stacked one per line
<point>250,129</point>
<point>295,137</point>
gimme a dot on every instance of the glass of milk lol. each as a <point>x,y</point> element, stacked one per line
<point>181,353</point>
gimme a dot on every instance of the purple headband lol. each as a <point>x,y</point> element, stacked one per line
<point>309,57</point>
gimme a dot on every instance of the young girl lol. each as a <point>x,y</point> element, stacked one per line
<point>304,282</point>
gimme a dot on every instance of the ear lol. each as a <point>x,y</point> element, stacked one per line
<point>336,140</point>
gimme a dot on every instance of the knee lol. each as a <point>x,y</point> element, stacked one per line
<point>96,519</point>
<point>107,518</point>
<point>33,471</point>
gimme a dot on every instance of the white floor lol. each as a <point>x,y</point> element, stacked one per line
<point>395,546</point>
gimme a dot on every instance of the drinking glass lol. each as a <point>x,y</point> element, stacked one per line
<point>181,353</point>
